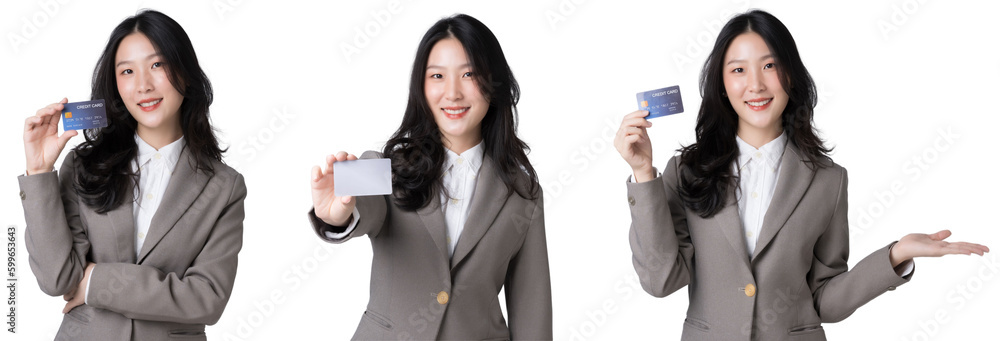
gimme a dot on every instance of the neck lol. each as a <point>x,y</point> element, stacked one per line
<point>758,137</point>
<point>158,138</point>
<point>460,145</point>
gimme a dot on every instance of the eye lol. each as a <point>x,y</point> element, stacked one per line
<point>738,70</point>
<point>126,72</point>
<point>769,66</point>
<point>157,64</point>
<point>467,74</point>
<point>436,76</point>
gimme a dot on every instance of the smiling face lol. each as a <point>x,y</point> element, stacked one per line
<point>145,87</point>
<point>454,96</point>
<point>753,86</point>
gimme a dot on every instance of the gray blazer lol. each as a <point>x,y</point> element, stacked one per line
<point>183,275</point>
<point>797,277</point>
<point>418,293</point>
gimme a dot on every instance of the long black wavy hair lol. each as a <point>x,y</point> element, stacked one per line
<point>104,173</point>
<point>707,175</point>
<point>415,148</point>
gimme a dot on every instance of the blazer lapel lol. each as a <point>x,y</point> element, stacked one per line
<point>793,181</point>
<point>491,194</point>
<point>433,220</point>
<point>122,221</point>
<point>728,220</point>
<point>185,185</point>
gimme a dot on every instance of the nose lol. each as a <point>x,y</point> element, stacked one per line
<point>144,81</point>
<point>453,89</point>
<point>755,81</point>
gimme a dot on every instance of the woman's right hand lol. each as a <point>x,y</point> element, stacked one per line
<point>330,208</point>
<point>633,144</point>
<point>42,142</point>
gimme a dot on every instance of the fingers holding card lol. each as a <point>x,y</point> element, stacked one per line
<point>632,141</point>
<point>42,141</point>
<point>334,188</point>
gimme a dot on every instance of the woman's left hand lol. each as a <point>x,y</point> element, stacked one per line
<point>76,297</point>
<point>931,245</point>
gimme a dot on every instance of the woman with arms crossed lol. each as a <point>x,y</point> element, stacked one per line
<point>752,217</point>
<point>465,216</point>
<point>141,227</point>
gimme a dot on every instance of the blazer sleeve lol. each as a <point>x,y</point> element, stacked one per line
<point>197,296</point>
<point>370,220</point>
<point>837,293</point>
<point>661,243</point>
<point>527,287</point>
<point>55,238</point>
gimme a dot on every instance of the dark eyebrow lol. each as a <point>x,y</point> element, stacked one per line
<point>741,60</point>
<point>442,67</point>
<point>154,55</point>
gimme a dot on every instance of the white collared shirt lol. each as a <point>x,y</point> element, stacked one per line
<point>154,168</point>
<point>460,175</point>
<point>758,171</point>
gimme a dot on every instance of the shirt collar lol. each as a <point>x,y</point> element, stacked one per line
<point>170,153</point>
<point>770,152</point>
<point>472,157</point>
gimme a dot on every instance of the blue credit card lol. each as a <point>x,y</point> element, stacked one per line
<point>84,115</point>
<point>661,102</point>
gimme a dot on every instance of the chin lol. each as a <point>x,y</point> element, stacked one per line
<point>455,132</point>
<point>151,124</point>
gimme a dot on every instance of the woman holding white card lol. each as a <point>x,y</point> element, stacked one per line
<point>141,227</point>
<point>753,215</point>
<point>465,217</point>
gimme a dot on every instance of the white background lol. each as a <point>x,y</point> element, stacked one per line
<point>893,75</point>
